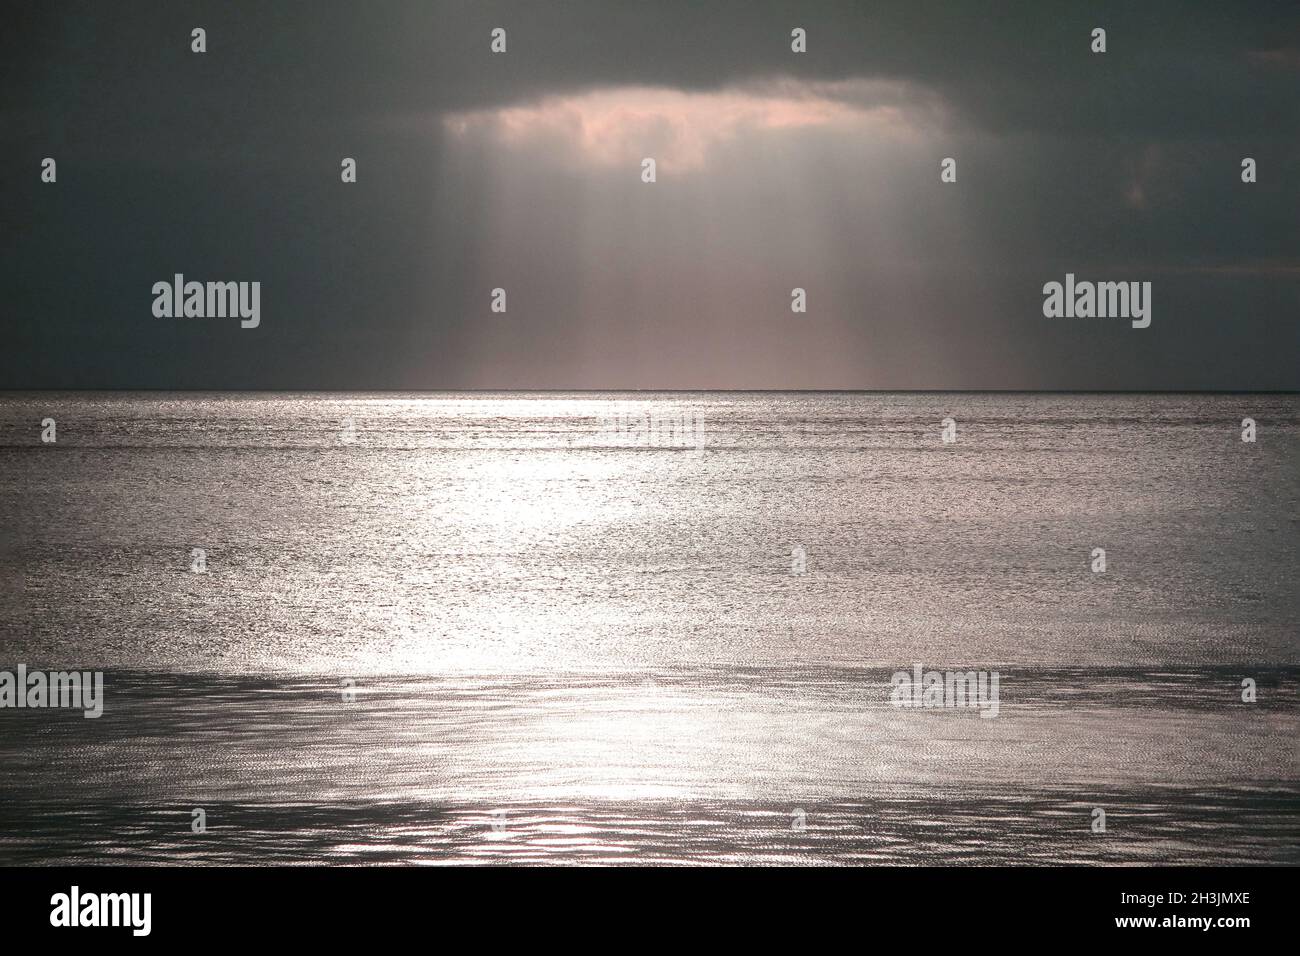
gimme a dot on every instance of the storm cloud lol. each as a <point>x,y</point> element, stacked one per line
<point>776,170</point>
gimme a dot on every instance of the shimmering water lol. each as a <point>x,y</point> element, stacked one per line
<point>581,613</point>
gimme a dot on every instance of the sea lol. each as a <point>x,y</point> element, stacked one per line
<point>652,627</point>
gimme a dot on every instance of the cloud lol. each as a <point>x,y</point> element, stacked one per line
<point>776,169</point>
<point>619,126</point>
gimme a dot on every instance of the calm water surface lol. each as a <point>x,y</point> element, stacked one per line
<point>575,631</point>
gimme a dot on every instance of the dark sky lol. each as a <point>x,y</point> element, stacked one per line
<point>775,170</point>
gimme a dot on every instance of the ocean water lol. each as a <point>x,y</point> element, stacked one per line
<point>641,628</point>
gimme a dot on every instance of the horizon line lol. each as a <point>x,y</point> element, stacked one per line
<point>678,391</point>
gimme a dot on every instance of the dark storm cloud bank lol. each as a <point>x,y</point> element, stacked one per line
<point>224,166</point>
<point>1199,69</point>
